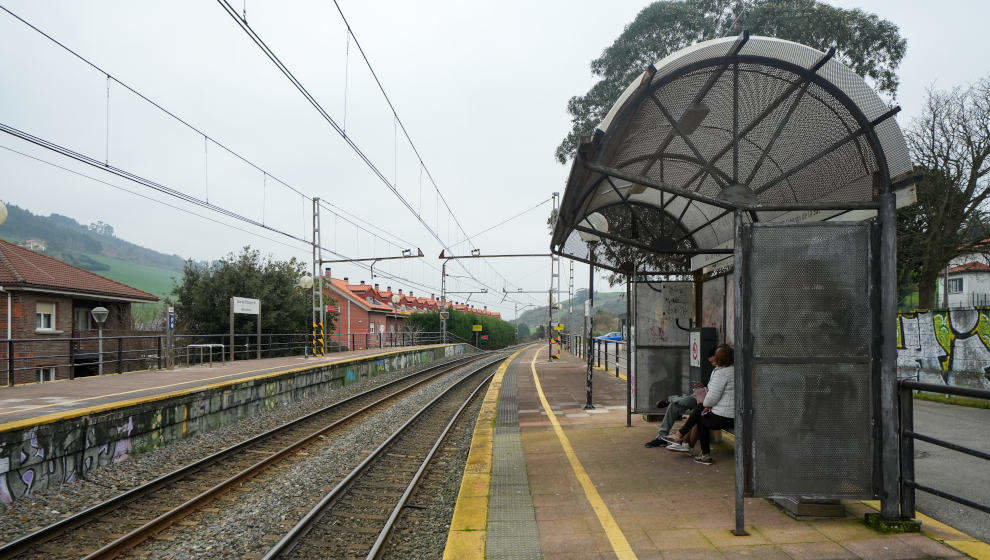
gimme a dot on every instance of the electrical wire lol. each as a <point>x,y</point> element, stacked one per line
<point>284,69</point>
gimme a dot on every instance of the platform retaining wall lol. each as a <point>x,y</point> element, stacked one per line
<point>36,457</point>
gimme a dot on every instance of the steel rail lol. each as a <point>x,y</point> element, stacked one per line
<point>45,534</point>
<point>300,529</point>
<point>162,522</point>
<point>383,536</point>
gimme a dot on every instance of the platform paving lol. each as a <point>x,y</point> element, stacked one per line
<point>612,497</point>
<point>36,400</point>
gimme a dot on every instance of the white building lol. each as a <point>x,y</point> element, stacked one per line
<point>968,283</point>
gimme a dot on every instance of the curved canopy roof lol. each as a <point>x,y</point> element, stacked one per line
<point>753,123</point>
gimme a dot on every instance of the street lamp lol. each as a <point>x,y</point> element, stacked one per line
<point>596,222</point>
<point>395,304</point>
<point>100,315</point>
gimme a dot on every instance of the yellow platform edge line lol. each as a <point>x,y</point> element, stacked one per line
<point>620,546</point>
<point>970,546</point>
<point>68,414</point>
<point>467,534</point>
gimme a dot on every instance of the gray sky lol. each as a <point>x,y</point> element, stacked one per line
<point>481,87</point>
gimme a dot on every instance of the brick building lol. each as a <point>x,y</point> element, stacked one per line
<point>367,311</point>
<point>48,301</point>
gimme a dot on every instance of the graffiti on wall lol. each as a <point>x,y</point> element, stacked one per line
<point>944,342</point>
<point>35,458</point>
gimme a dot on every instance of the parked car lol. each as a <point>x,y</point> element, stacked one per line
<point>614,335</point>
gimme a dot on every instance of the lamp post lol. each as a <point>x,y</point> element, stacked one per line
<point>99,315</point>
<point>596,222</point>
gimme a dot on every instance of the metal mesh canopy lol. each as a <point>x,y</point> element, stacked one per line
<point>753,123</point>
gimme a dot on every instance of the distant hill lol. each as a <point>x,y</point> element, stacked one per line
<point>93,247</point>
<point>609,308</point>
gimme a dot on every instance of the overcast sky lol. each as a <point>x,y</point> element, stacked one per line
<point>481,88</point>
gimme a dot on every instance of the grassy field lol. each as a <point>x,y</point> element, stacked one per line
<point>154,280</point>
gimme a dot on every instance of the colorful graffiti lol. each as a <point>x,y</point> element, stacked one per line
<point>38,457</point>
<point>945,343</point>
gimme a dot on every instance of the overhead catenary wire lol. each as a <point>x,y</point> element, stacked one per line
<point>266,174</point>
<point>284,69</point>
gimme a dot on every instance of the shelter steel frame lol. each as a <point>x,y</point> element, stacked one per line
<point>596,184</point>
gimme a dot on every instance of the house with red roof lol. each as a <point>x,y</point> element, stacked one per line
<point>49,301</point>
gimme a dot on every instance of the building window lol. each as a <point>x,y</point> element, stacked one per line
<point>46,316</point>
<point>371,327</point>
<point>46,373</point>
<point>955,285</point>
<point>81,319</point>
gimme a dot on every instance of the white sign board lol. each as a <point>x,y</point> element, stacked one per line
<point>694,349</point>
<point>587,308</point>
<point>246,305</point>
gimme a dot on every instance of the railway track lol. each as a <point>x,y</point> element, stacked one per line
<point>355,519</point>
<point>117,525</point>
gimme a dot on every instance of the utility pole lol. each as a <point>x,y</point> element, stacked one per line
<point>443,300</point>
<point>318,314</point>
<point>570,288</point>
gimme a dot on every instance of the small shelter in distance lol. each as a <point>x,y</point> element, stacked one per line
<point>775,166</point>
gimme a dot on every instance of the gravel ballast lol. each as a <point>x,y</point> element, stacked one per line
<point>50,505</point>
<point>253,518</point>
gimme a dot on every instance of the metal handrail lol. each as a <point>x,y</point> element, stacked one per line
<point>906,388</point>
<point>148,351</point>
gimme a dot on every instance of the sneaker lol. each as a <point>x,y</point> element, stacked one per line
<point>704,459</point>
<point>671,439</point>
<point>656,443</point>
<point>682,447</point>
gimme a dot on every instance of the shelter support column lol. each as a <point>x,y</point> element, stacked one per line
<point>741,372</point>
<point>590,315</point>
<point>890,444</point>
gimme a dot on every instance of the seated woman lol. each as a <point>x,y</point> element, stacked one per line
<point>716,412</point>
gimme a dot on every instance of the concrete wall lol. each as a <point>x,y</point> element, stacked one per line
<point>950,347</point>
<point>37,457</point>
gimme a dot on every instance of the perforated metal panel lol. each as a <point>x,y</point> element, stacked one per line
<point>662,314</point>
<point>810,326</point>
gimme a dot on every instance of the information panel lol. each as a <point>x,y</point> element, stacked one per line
<point>662,314</point>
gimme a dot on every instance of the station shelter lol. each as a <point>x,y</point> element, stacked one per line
<point>748,185</point>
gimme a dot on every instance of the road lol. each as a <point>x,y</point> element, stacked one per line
<point>952,471</point>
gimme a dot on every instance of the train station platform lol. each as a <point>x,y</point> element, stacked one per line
<point>591,490</point>
<point>38,403</point>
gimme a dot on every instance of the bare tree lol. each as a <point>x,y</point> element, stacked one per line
<point>950,145</point>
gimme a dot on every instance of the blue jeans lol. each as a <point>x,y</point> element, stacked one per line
<point>679,404</point>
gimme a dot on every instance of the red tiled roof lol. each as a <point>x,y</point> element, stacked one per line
<point>971,266</point>
<point>358,293</point>
<point>20,267</point>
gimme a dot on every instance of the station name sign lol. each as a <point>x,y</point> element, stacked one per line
<point>245,305</point>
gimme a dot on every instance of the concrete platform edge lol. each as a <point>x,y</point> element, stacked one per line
<point>467,535</point>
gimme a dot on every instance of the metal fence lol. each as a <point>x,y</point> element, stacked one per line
<point>46,358</point>
<point>906,388</point>
<point>609,355</point>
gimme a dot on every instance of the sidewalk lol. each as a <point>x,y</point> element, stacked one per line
<point>30,401</point>
<point>601,494</point>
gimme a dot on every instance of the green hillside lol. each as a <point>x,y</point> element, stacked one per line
<point>610,307</point>
<point>94,247</point>
<point>151,279</point>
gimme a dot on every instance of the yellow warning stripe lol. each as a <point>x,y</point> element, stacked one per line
<point>467,534</point>
<point>58,416</point>
<point>971,546</point>
<point>615,536</point>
